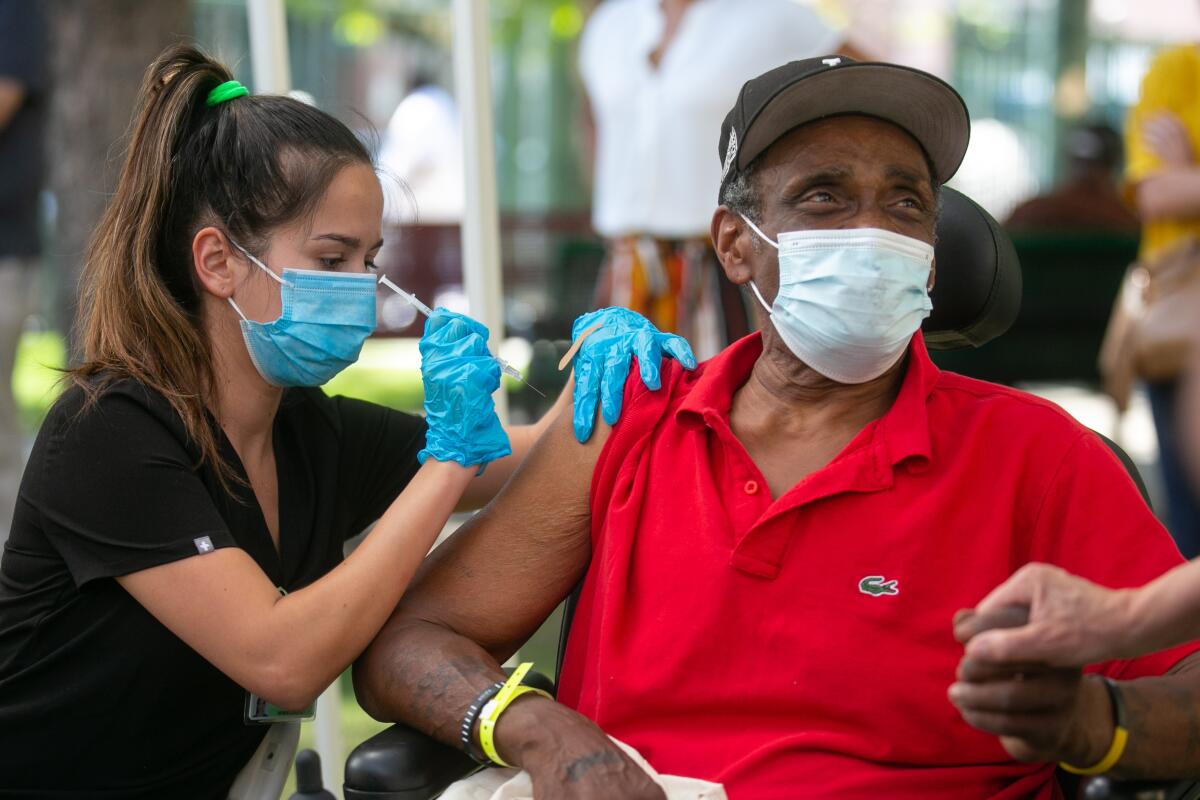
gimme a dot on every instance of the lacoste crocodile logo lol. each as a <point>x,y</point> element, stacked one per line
<point>875,585</point>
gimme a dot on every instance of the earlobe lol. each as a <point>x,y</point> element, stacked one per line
<point>214,262</point>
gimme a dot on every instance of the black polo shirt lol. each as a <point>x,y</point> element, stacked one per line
<point>97,699</point>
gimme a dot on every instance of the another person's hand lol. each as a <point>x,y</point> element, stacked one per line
<point>602,364</point>
<point>1072,621</point>
<point>1167,136</point>
<point>460,375</point>
<point>568,757</point>
<point>1039,713</point>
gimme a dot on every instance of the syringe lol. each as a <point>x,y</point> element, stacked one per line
<point>505,367</point>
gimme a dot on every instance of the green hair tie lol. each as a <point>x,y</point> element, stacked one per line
<point>226,91</point>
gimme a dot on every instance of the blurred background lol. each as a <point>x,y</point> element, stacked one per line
<point>1049,84</point>
<point>1031,71</point>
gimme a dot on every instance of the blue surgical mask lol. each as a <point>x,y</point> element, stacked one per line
<point>849,299</point>
<point>325,318</point>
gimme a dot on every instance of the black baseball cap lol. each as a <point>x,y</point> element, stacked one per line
<point>800,92</point>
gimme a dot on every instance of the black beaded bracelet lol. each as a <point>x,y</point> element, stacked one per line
<point>472,716</point>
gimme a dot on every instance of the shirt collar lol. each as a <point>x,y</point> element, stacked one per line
<point>905,427</point>
<point>903,430</point>
<point>720,377</point>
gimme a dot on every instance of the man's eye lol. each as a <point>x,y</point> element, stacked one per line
<point>818,197</point>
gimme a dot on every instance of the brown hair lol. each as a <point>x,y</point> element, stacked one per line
<point>248,166</point>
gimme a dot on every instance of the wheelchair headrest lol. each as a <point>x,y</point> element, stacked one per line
<point>977,293</point>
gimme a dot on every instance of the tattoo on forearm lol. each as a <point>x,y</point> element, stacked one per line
<point>580,766</point>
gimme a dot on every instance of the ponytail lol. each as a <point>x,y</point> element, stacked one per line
<point>248,165</point>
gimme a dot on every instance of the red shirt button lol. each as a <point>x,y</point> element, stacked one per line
<point>751,487</point>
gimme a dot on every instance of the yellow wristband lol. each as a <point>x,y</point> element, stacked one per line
<point>1119,740</point>
<point>1115,751</point>
<point>490,715</point>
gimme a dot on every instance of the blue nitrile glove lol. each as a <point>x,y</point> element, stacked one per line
<point>602,363</point>
<point>460,375</point>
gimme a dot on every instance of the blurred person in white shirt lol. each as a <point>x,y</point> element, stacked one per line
<point>422,154</point>
<point>660,76</point>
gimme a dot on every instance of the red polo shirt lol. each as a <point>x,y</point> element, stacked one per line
<point>802,646</point>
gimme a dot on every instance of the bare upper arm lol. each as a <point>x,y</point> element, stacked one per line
<point>502,573</point>
<point>214,603</point>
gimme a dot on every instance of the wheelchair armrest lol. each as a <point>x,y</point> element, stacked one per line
<point>1107,789</point>
<point>400,763</point>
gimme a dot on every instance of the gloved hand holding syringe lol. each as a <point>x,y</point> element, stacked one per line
<point>505,367</point>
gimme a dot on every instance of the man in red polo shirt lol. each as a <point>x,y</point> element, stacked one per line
<point>773,547</point>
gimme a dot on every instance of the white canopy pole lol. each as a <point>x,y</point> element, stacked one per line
<point>269,46</point>
<point>482,277</point>
<point>272,75</point>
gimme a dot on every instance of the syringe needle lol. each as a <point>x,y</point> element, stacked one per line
<point>512,372</point>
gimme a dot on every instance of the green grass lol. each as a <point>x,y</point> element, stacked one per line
<point>37,376</point>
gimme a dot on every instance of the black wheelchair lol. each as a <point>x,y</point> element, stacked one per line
<point>970,307</point>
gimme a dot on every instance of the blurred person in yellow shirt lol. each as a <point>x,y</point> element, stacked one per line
<point>1163,182</point>
<point>1162,139</point>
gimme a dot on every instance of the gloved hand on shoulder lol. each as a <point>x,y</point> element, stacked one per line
<point>460,375</point>
<point>602,363</point>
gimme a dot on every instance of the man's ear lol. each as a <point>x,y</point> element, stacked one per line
<point>731,246</point>
<point>216,263</point>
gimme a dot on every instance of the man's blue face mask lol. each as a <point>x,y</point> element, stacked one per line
<point>325,318</point>
<point>849,299</point>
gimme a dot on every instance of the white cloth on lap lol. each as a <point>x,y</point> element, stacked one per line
<point>511,784</point>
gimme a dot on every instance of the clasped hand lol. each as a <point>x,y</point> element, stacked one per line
<point>459,375</point>
<point>1039,712</point>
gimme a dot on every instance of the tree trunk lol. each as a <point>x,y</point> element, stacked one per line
<point>99,51</point>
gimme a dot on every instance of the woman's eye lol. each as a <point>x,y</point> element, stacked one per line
<point>372,266</point>
<point>330,263</point>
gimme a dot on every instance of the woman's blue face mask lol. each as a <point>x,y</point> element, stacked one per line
<point>324,319</point>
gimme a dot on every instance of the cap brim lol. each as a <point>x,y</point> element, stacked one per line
<point>928,108</point>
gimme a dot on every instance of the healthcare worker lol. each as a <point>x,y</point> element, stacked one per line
<point>175,574</point>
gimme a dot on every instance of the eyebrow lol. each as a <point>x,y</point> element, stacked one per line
<point>349,241</point>
<point>826,174</point>
<point>831,174</point>
<point>903,174</point>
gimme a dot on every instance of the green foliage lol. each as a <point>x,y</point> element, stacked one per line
<point>37,376</point>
